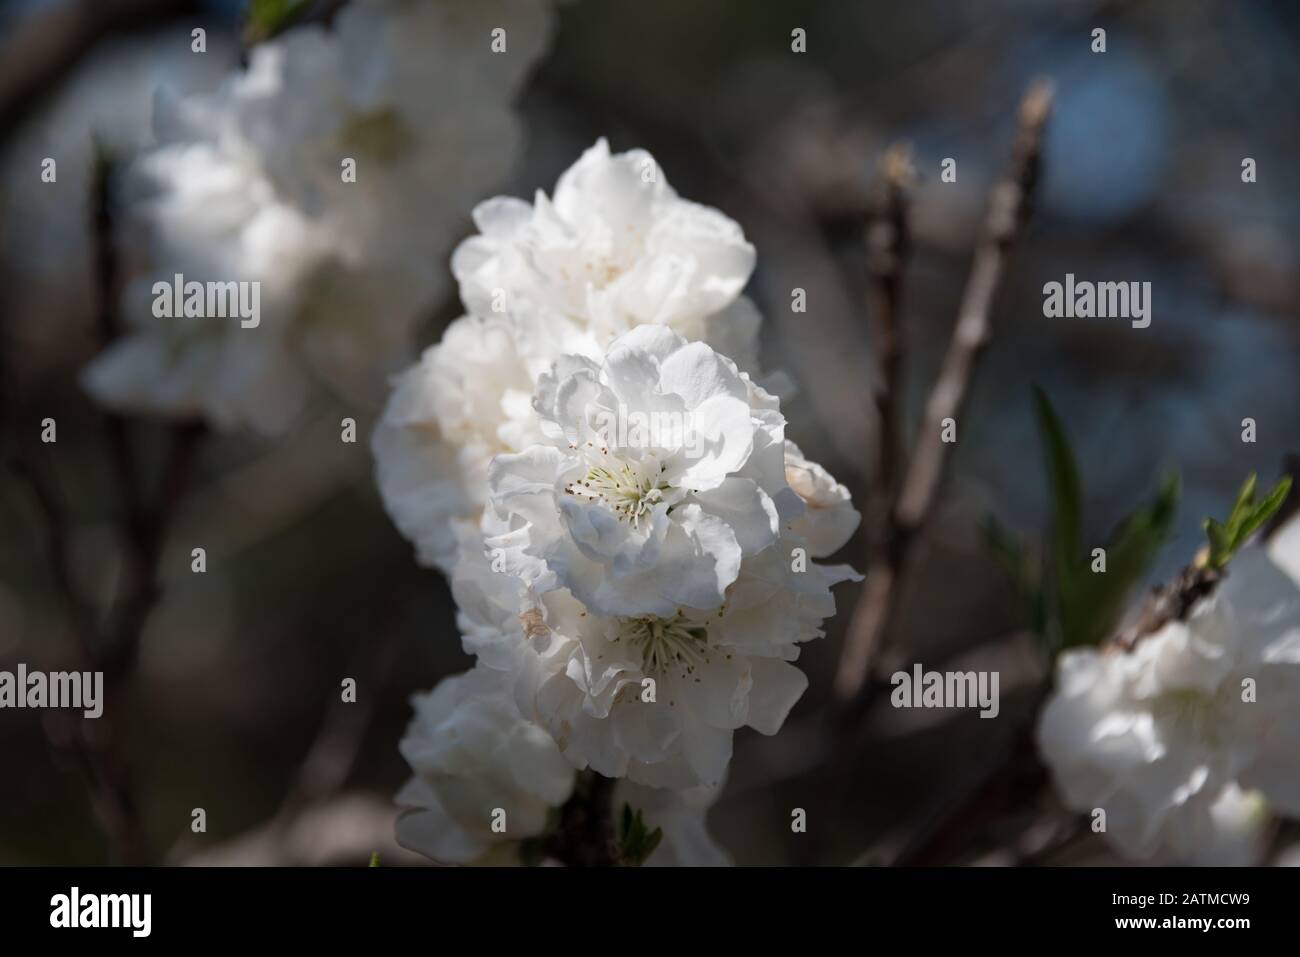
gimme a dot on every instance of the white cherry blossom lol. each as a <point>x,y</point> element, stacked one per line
<point>662,470</point>
<point>476,761</point>
<point>830,519</point>
<point>1158,736</point>
<point>615,248</point>
<point>247,185</point>
<point>468,399</point>
<point>652,698</point>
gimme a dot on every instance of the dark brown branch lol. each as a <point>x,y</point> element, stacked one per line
<point>1171,602</point>
<point>1175,601</point>
<point>92,746</point>
<point>330,759</point>
<point>585,835</point>
<point>888,245</point>
<point>1014,776</point>
<point>982,803</point>
<point>97,747</point>
<point>1008,210</point>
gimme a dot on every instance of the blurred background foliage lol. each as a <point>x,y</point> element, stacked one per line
<point>308,582</point>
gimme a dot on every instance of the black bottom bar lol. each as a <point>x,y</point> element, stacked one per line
<point>381,906</point>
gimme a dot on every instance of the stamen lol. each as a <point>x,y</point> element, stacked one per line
<point>622,488</point>
<point>667,643</point>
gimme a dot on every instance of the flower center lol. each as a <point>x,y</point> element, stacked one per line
<point>380,134</point>
<point>1197,713</point>
<point>667,643</point>
<point>623,488</point>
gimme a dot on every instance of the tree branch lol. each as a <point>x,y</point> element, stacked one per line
<point>585,835</point>
<point>1009,206</point>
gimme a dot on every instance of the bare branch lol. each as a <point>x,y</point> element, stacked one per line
<point>1008,209</point>
<point>888,242</point>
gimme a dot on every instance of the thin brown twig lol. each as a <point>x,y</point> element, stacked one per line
<point>975,806</point>
<point>888,245</point>
<point>95,752</point>
<point>147,535</point>
<point>1171,602</point>
<point>1008,210</point>
<point>145,527</point>
<point>98,749</point>
<point>330,759</point>
<point>1015,775</point>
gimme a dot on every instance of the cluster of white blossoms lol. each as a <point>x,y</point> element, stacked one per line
<point>628,532</point>
<point>333,173</point>
<point>1190,740</point>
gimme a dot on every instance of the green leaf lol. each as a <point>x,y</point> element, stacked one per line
<point>374,858</point>
<point>1067,603</point>
<point>1021,568</point>
<point>636,842</point>
<point>651,842</point>
<point>1005,546</point>
<point>1095,609</point>
<point>1220,543</point>
<point>1241,508</point>
<point>1246,518</point>
<point>1264,510</point>
<point>266,18</point>
<point>1063,481</point>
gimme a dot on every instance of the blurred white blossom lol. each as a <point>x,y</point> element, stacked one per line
<point>1170,737</point>
<point>247,184</point>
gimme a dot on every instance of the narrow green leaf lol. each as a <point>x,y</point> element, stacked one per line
<point>651,842</point>
<point>636,842</point>
<point>1241,509</point>
<point>1095,610</point>
<point>1244,520</point>
<point>1263,511</point>
<point>1063,480</point>
<point>1020,567</point>
<point>1004,545</point>
<point>1220,546</point>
